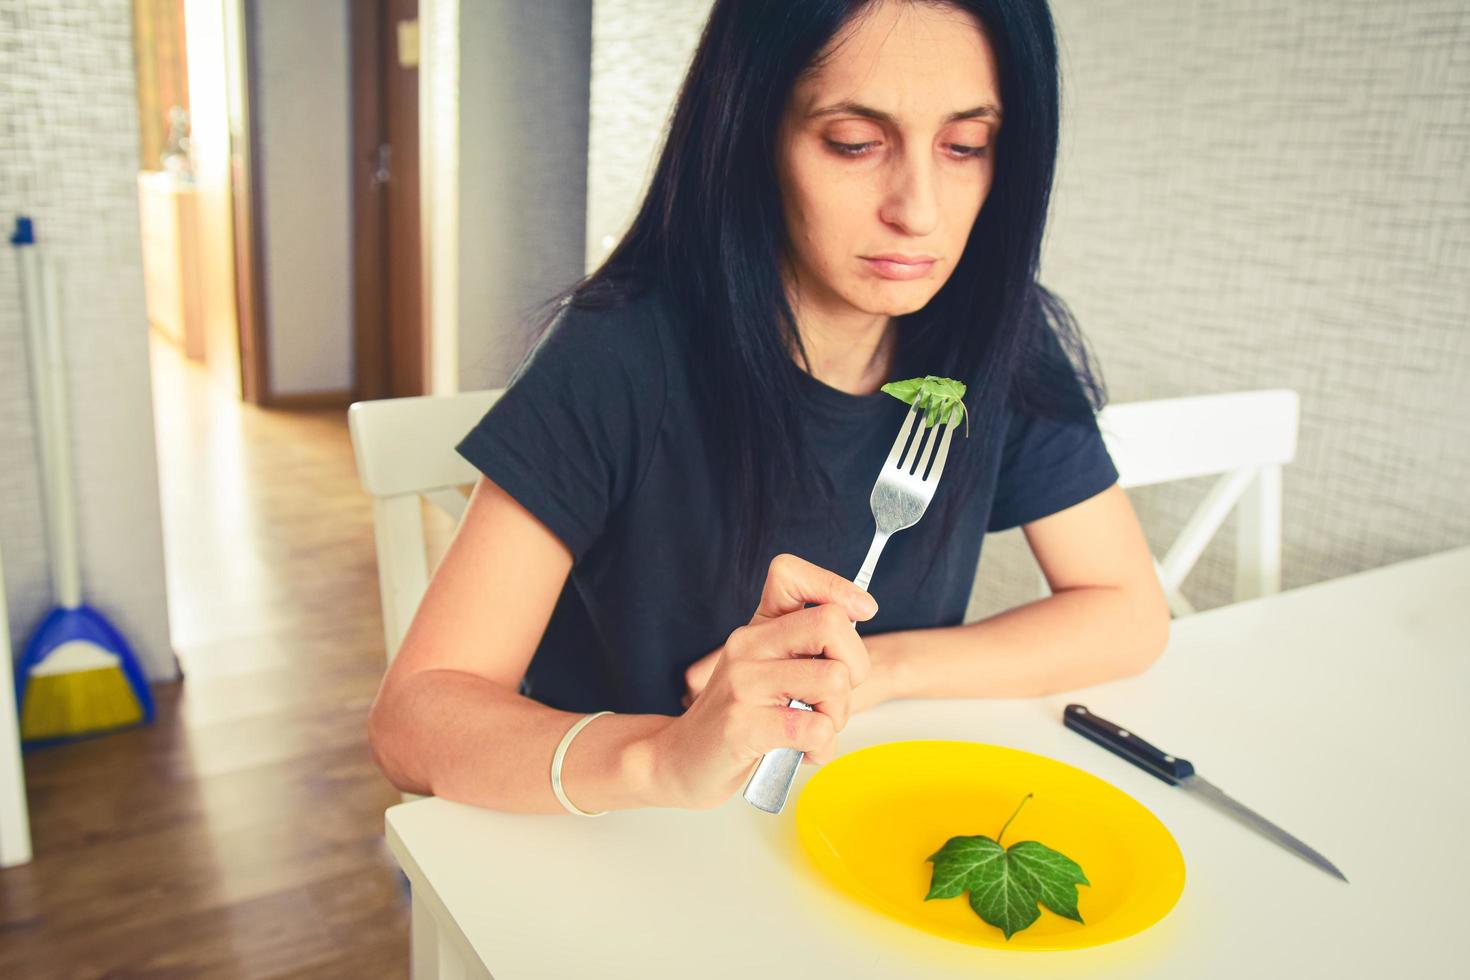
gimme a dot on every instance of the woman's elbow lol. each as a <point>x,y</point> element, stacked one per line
<point>386,738</point>
<point>1151,637</point>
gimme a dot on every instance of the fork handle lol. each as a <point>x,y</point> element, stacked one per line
<point>865,575</point>
<point>770,784</point>
<point>771,781</point>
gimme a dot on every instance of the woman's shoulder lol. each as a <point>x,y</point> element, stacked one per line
<point>632,332</point>
<point>604,338</point>
<point>1057,375</point>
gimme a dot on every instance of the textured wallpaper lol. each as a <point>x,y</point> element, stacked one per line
<point>1257,194</point>
<point>69,157</point>
<point>1277,193</point>
<point>521,181</point>
<point>640,51</point>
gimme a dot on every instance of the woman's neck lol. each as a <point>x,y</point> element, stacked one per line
<point>850,350</point>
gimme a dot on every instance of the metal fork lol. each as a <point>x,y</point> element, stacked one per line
<point>900,496</point>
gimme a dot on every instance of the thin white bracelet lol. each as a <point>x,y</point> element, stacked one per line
<point>556,761</point>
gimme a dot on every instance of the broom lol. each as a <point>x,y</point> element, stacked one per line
<point>77,676</point>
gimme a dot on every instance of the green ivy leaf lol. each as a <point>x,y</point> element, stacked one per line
<point>1005,885</point>
<point>904,391</point>
<point>937,399</point>
<point>956,861</point>
<point>1056,876</point>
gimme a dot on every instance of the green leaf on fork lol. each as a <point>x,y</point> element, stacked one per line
<point>1005,884</point>
<point>935,397</point>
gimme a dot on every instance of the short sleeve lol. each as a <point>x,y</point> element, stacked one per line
<point>574,430</point>
<point>1048,465</point>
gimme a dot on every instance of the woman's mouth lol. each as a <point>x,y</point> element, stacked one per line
<point>892,266</point>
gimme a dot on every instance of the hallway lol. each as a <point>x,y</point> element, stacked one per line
<point>240,835</point>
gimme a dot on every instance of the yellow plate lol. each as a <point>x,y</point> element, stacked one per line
<point>871,819</point>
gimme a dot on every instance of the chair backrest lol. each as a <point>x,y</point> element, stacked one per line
<point>405,452</point>
<point>1244,438</point>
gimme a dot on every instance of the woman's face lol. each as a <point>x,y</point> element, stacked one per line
<point>885,155</point>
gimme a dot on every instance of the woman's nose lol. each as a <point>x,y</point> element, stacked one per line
<point>911,203</point>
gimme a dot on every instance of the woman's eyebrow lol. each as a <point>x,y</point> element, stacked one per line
<point>849,108</point>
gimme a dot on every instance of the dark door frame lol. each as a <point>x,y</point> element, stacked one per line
<point>250,305</point>
<point>369,207</point>
<point>371,42</point>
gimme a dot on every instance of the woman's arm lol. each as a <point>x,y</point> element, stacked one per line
<point>448,719</point>
<point>1106,618</point>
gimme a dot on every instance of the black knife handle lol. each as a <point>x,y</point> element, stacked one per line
<point>1121,741</point>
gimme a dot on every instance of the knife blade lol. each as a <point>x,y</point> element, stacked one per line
<point>1180,772</point>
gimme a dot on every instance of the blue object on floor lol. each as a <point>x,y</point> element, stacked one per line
<point>77,676</point>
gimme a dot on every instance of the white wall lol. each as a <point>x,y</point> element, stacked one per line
<point>211,120</point>
<point>640,52</point>
<point>69,157</point>
<point>522,171</point>
<point>439,108</point>
<point>303,115</point>
<point>1250,195</point>
<point>1276,194</point>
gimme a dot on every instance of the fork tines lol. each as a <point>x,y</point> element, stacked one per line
<point>924,458</point>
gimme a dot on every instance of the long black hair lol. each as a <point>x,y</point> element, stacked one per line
<point>710,233</point>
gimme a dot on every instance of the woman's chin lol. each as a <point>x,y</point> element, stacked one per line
<point>886,297</point>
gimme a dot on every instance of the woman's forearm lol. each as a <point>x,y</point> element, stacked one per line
<point>1069,640</point>
<point>459,736</point>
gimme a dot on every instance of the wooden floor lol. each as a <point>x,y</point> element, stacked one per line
<point>241,835</point>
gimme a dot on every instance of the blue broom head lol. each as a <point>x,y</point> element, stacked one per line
<point>78,677</point>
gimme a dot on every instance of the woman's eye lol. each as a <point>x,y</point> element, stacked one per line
<point>968,151</point>
<point>852,149</point>
<point>957,150</point>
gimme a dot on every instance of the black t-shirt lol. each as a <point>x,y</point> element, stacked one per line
<point>596,436</point>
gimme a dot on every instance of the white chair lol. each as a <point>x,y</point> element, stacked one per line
<point>1243,437</point>
<point>405,452</point>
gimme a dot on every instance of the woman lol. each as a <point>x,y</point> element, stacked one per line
<point>850,193</point>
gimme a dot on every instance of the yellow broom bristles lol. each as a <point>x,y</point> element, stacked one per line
<point>78,703</point>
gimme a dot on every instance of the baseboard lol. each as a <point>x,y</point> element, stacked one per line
<point>305,400</point>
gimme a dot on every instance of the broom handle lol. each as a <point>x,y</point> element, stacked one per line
<point>48,391</point>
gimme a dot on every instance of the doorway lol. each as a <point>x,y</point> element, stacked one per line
<point>392,357</point>
<point>193,182</point>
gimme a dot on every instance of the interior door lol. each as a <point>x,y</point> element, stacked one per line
<point>392,357</point>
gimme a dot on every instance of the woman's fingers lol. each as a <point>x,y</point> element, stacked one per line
<point>800,644</point>
<point>825,685</point>
<point>792,582</point>
<point>818,631</point>
<point>697,674</point>
<point>791,728</point>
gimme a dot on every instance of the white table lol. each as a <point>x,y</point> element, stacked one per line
<point>1338,711</point>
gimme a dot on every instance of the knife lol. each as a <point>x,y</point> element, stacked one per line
<point>1180,772</point>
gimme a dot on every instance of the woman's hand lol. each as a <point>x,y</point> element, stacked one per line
<point>879,686</point>
<point>704,756</point>
<point>697,674</point>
